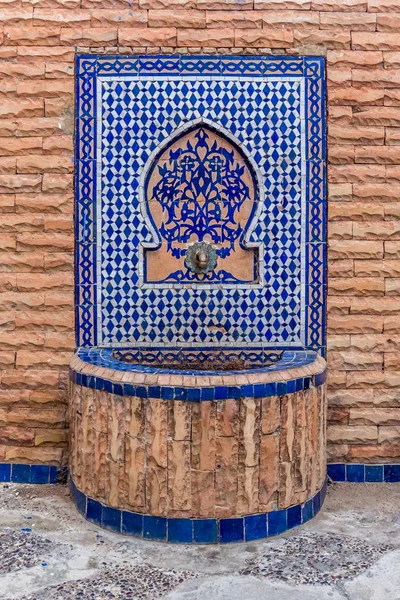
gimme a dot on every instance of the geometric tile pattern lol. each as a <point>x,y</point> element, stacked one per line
<point>272,108</point>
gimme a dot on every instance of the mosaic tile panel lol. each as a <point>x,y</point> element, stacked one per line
<point>268,115</point>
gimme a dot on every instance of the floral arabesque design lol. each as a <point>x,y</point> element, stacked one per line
<point>201,189</point>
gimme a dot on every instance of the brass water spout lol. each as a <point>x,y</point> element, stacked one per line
<point>202,259</point>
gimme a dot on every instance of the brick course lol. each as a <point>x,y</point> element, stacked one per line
<point>38,41</point>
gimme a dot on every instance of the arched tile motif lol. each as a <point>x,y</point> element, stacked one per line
<point>200,187</point>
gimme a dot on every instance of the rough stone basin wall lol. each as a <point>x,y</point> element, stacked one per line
<point>208,459</point>
<point>39,40</point>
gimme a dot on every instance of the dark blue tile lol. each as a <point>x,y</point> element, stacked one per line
<point>167,393</point>
<point>294,516</point>
<point>355,473</point>
<point>5,472</point>
<point>233,392</point>
<point>141,391</point>
<point>118,389</point>
<point>132,524</point>
<point>277,522</point>
<point>259,390</point>
<point>337,472</point>
<point>205,531</point>
<point>306,383</point>
<point>129,390</point>
<point>391,473</point>
<point>307,511</point>
<point>54,474</point>
<point>93,511</point>
<point>193,394</point>
<point>111,518</point>
<point>270,389</point>
<point>40,474</point>
<point>180,531</point>
<point>180,393</point>
<point>221,392</point>
<point>290,386</point>
<point>316,503</point>
<point>247,390</point>
<point>323,491</point>
<point>154,391</point>
<point>281,388</point>
<point>99,384</point>
<point>320,378</point>
<point>108,386</point>
<point>207,393</point>
<point>80,501</point>
<point>21,473</point>
<point>155,528</point>
<point>299,384</point>
<point>255,527</point>
<point>373,473</point>
<point>231,530</point>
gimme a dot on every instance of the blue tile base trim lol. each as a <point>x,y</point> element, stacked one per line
<point>22,473</point>
<point>360,473</point>
<point>197,531</point>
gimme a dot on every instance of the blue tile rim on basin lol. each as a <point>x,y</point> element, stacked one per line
<point>197,531</point>
<point>296,360</point>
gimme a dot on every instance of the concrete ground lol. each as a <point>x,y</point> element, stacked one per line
<point>350,551</point>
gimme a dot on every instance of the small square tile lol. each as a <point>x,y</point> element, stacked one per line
<point>231,530</point>
<point>355,473</point>
<point>111,518</point>
<point>40,474</point>
<point>193,394</point>
<point>93,511</point>
<point>277,522</point>
<point>5,472</point>
<point>207,393</point>
<point>21,473</point>
<point>205,531</point>
<point>155,528</point>
<point>132,523</point>
<point>337,472</point>
<point>180,531</point>
<point>391,473</point>
<point>307,511</point>
<point>374,473</point>
<point>255,527</point>
<point>294,516</point>
<point>221,392</point>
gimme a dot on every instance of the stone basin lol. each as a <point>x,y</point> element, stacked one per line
<point>197,456</point>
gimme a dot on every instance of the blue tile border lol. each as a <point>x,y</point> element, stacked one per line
<point>104,358</point>
<point>364,473</point>
<point>197,531</point>
<point>90,67</point>
<point>25,473</point>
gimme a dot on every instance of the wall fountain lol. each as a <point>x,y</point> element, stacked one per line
<point>198,402</point>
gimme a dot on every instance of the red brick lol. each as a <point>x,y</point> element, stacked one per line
<point>32,36</point>
<point>348,20</point>
<point>205,37</point>
<point>139,36</point>
<point>264,38</point>
<point>375,41</point>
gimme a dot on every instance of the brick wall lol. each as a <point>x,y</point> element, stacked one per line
<point>361,39</point>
